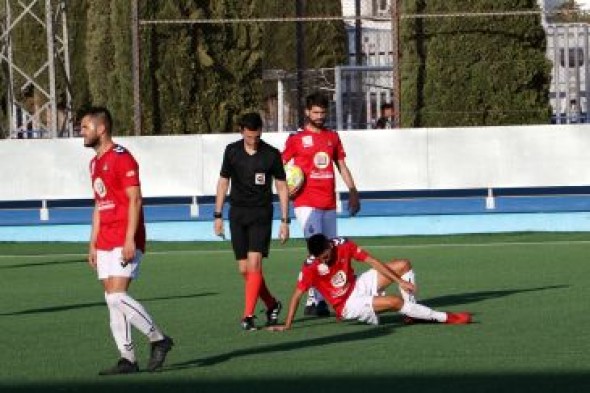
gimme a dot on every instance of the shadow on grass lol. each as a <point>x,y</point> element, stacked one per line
<point>45,263</point>
<point>419,383</point>
<point>282,347</point>
<point>99,304</point>
<point>474,297</point>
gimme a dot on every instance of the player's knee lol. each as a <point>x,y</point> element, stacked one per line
<point>400,266</point>
<point>395,303</point>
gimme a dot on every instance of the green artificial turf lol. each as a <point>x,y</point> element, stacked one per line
<point>528,292</point>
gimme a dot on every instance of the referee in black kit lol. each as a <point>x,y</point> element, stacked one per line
<point>250,164</point>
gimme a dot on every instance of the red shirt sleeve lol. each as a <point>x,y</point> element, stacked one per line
<point>357,252</point>
<point>340,154</point>
<point>289,151</point>
<point>128,171</point>
<point>305,280</point>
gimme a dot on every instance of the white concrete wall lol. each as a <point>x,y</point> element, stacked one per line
<point>409,159</point>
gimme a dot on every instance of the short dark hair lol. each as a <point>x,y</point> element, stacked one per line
<point>317,99</point>
<point>251,121</point>
<point>386,105</point>
<point>317,244</point>
<point>101,114</point>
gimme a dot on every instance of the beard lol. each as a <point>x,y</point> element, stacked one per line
<point>317,123</point>
<point>91,142</point>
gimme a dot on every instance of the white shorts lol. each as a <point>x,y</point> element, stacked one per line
<point>108,264</point>
<point>360,302</point>
<point>314,221</point>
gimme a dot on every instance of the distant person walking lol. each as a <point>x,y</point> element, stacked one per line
<point>117,242</point>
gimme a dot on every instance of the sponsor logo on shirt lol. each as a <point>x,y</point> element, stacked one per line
<point>106,205</point>
<point>338,279</point>
<point>260,179</point>
<point>99,187</point>
<point>321,160</point>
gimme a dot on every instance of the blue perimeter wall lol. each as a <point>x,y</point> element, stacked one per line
<point>383,214</point>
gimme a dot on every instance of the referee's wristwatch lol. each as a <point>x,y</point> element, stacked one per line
<point>217,215</point>
<point>286,220</point>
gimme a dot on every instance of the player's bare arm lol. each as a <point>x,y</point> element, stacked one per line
<point>390,274</point>
<point>293,305</point>
<point>222,187</point>
<point>134,196</point>
<point>93,237</point>
<point>354,203</point>
<point>283,192</point>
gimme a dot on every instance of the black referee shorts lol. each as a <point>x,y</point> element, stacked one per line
<point>251,230</point>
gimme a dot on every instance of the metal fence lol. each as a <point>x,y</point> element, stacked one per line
<point>568,49</point>
<point>356,94</point>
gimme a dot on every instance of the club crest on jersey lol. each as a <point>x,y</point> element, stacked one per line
<point>323,269</point>
<point>307,141</point>
<point>321,160</point>
<point>260,179</point>
<point>339,279</point>
<point>119,149</point>
<point>99,187</point>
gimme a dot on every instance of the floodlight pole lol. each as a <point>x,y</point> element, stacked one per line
<point>395,49</point>
<point>135,49</point>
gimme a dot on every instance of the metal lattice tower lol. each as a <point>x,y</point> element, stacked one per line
<point>34,106</point>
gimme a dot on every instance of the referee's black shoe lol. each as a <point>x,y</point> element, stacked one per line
<point>248,323</point>
<point>123,366</point>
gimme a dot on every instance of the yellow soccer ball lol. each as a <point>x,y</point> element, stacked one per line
<point>295,178</point>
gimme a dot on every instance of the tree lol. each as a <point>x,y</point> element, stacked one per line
<point>468,71</point>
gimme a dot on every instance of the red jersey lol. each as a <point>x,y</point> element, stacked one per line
<point>336,281</point>
<point>112,174</point>
<point>315,153</point>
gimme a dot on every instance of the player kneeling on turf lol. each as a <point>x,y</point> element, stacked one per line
<point>329,270</point>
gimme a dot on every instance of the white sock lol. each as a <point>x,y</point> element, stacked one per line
<point>136,315</point>
<point>409,276</point>
<point>313,297</point>
<point>121,331</point>
<point>419,311</point>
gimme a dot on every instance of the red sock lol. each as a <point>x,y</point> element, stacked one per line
<point>253,283</point>
<point>265,295</point>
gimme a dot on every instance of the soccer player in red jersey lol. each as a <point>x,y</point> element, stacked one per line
<point>316,150</point>
<point>117,241</point>
<point>329,269</point>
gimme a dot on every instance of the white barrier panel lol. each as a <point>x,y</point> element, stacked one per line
<point>408,159</point>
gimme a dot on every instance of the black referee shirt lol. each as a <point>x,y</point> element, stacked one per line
<point>251,175</point>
